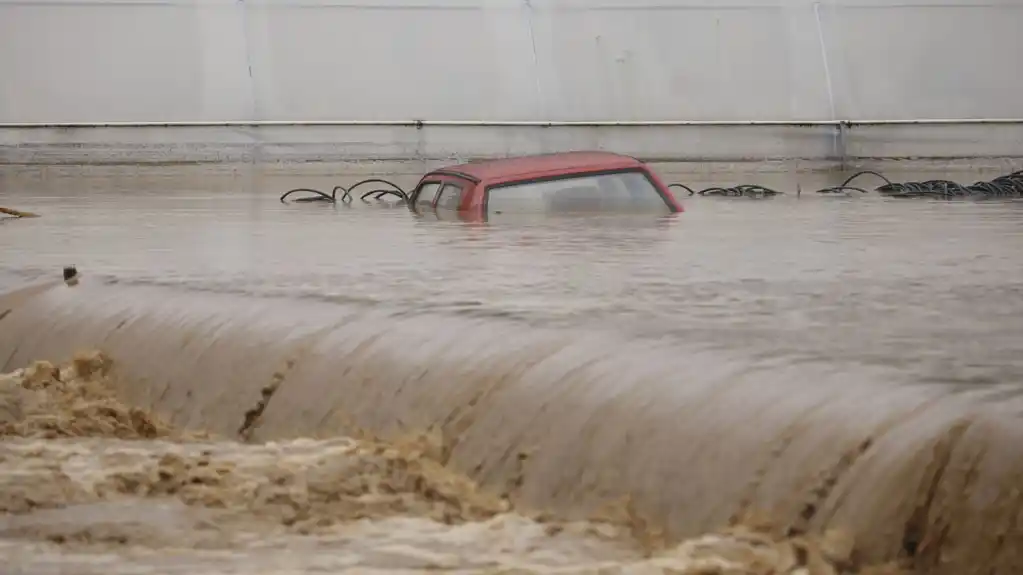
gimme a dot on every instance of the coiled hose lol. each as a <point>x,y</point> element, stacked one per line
<point>1007,186</point>
<point>742,190</point>
<point>1003,187</point>
<point>346,193</point>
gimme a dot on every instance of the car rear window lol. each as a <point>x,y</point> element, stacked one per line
<point>629,192</point>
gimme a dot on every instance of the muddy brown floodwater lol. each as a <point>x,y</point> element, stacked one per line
<point>91,485</point>
<point>806,386</point>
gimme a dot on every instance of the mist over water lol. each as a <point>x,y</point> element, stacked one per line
<point>833,363</point>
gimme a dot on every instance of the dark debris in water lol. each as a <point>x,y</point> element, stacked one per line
<point>1009,186</point>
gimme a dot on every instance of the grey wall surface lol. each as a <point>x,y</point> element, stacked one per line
<point>72,61</point>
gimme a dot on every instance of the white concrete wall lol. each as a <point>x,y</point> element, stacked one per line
<point>216,60</point>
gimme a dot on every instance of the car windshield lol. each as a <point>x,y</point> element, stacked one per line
<point>629,192</point>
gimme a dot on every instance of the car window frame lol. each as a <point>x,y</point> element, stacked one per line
<point>414,199</point>
<point>568,176</point>
<point>440,192</point>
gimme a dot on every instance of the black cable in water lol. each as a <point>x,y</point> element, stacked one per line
<point>742,190</point>
<point>1007,186</point>
<point>683,186</point>
<point>844,187</point>
<point>319,197</point>
<point>346,193</point>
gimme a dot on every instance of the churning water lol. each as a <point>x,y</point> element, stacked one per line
<point>846,364</point>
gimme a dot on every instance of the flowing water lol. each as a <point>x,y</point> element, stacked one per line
<point>833,364</point>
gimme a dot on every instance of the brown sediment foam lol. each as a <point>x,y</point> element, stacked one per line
<point>915,473</point>
<point>350,479</point>
<point>47,402</point>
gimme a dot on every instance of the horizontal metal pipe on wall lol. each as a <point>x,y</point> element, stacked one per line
<point>673,141</point>
<point>513,123</point>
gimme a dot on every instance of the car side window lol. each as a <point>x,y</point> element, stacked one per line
<point>450,197</point>
<point>427,193</point>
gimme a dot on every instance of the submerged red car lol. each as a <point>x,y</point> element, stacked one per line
<point>566,182</point>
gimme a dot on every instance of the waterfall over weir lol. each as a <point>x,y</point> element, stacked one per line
<point>572,420</point>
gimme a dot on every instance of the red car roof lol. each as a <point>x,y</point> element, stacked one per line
<point>526,167</point>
